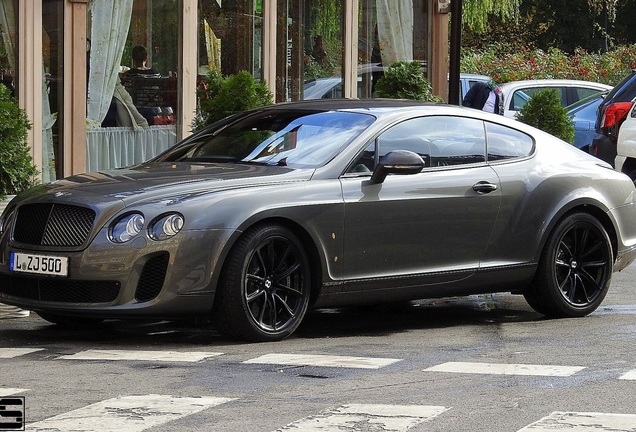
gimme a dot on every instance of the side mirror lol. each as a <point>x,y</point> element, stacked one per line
<point>397,162</point>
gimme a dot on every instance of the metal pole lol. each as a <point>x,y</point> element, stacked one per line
<point>455,52</point>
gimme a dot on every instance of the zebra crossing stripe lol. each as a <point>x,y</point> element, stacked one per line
<point>323,360</point>
<point>631,375</point>
<point>505,369</point>
<point>169,356</point>
<point>126,413</point>
<point>387,418</point>
<point>11,391</point>
<point>6,353</point>
<point>583,422</point>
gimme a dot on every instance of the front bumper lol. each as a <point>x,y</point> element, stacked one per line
<point>168,279</point>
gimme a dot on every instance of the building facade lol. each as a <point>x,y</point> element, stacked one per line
<point>109,83</point>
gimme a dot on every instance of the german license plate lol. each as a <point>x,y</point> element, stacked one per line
<point>41,264</point>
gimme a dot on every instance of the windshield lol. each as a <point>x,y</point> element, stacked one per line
<point>299,139</point>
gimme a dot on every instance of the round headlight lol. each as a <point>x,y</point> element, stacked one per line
<point>166,226</point>
<point>126,227</point>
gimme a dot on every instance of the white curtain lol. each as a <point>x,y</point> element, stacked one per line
<point>109,29</point>
<point>395,30</point>
<point>116,147</point>
<point>48,120</point>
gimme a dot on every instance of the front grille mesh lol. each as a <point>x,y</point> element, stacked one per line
<point>152,277</point>
<point>59,290</point>
<point>53,225</point>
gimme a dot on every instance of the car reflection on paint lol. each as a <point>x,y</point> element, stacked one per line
<point>265,214</point>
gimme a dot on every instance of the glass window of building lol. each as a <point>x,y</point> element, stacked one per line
<point>9,44</point>
<point>309,49</point>
<point>132,81</point>
<point>52,88</point>
<point>230,36</point>
<point>390,31</point>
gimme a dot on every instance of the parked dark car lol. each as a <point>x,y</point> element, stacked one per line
<point>583,115</point>
<point>323,203</point>
<point>610,117</point>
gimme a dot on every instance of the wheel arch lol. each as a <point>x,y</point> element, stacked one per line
<point>306,239</point>
<point>585,207</point>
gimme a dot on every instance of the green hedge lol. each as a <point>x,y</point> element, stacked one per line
<point>504,64</point>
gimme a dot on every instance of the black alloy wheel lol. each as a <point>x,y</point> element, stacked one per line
<point>575,269</point>
<point>265,286</point>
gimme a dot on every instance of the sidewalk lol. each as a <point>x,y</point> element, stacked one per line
<point>7,311</point>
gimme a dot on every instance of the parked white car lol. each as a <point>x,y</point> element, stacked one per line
<point>516,94</point>
<point>626,145</point>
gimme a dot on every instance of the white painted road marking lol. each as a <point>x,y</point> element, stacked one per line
<point>323,360</point>
<point>388,418</point>
<point>11,391</point>
<point>126,413</point>
<point>6,353</point>
<point>505,369</point>
<point>583,422</point>
<point>631,375</point>
<point>170,356</point>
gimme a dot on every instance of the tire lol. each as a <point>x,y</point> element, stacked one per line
<point>264,287</point>
<point>69,321</point>
<point>575,269</point>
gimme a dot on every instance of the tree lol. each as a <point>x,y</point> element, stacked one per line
<point>544,111</point>
<point>476,13</point>
<point>546,24</point>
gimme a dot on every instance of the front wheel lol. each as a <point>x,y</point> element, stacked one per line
<point>575,269</point>
<point>264,287</point>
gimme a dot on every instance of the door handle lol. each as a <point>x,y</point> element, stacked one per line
<point>484,187</point>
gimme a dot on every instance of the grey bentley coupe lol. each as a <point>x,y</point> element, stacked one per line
<point>267,213</point>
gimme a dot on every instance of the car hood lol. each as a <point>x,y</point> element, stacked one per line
<point>160,180</point>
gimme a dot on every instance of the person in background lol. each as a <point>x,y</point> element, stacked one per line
<point>140,60</point>
<point>483,96</point>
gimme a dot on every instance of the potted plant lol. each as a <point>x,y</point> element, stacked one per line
<point>17,171</point>
<point>221,96</point>
<point>405,80</point>
<point>544,111</point>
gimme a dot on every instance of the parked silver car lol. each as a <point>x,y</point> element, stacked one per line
<point>323,203</point>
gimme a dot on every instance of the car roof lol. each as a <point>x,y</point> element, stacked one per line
<point>350,104</point>
<point>380,107</point>
<point>553,82</point>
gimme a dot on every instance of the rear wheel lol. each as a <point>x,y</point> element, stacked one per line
<point>575,269</point>
<point>264,287</point>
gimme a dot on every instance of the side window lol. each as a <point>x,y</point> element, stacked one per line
<point>582,92</point>
<point>521,97</point>
<point>439,140</point>
<point>365,163</point>
<point>454,140</point>
<point>504,143</point>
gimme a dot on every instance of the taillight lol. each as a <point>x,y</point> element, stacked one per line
<point>614,113</point>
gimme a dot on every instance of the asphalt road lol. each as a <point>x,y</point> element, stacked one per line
<point>482,363</point>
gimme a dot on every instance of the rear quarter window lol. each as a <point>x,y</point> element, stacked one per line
<point>504,143</point>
